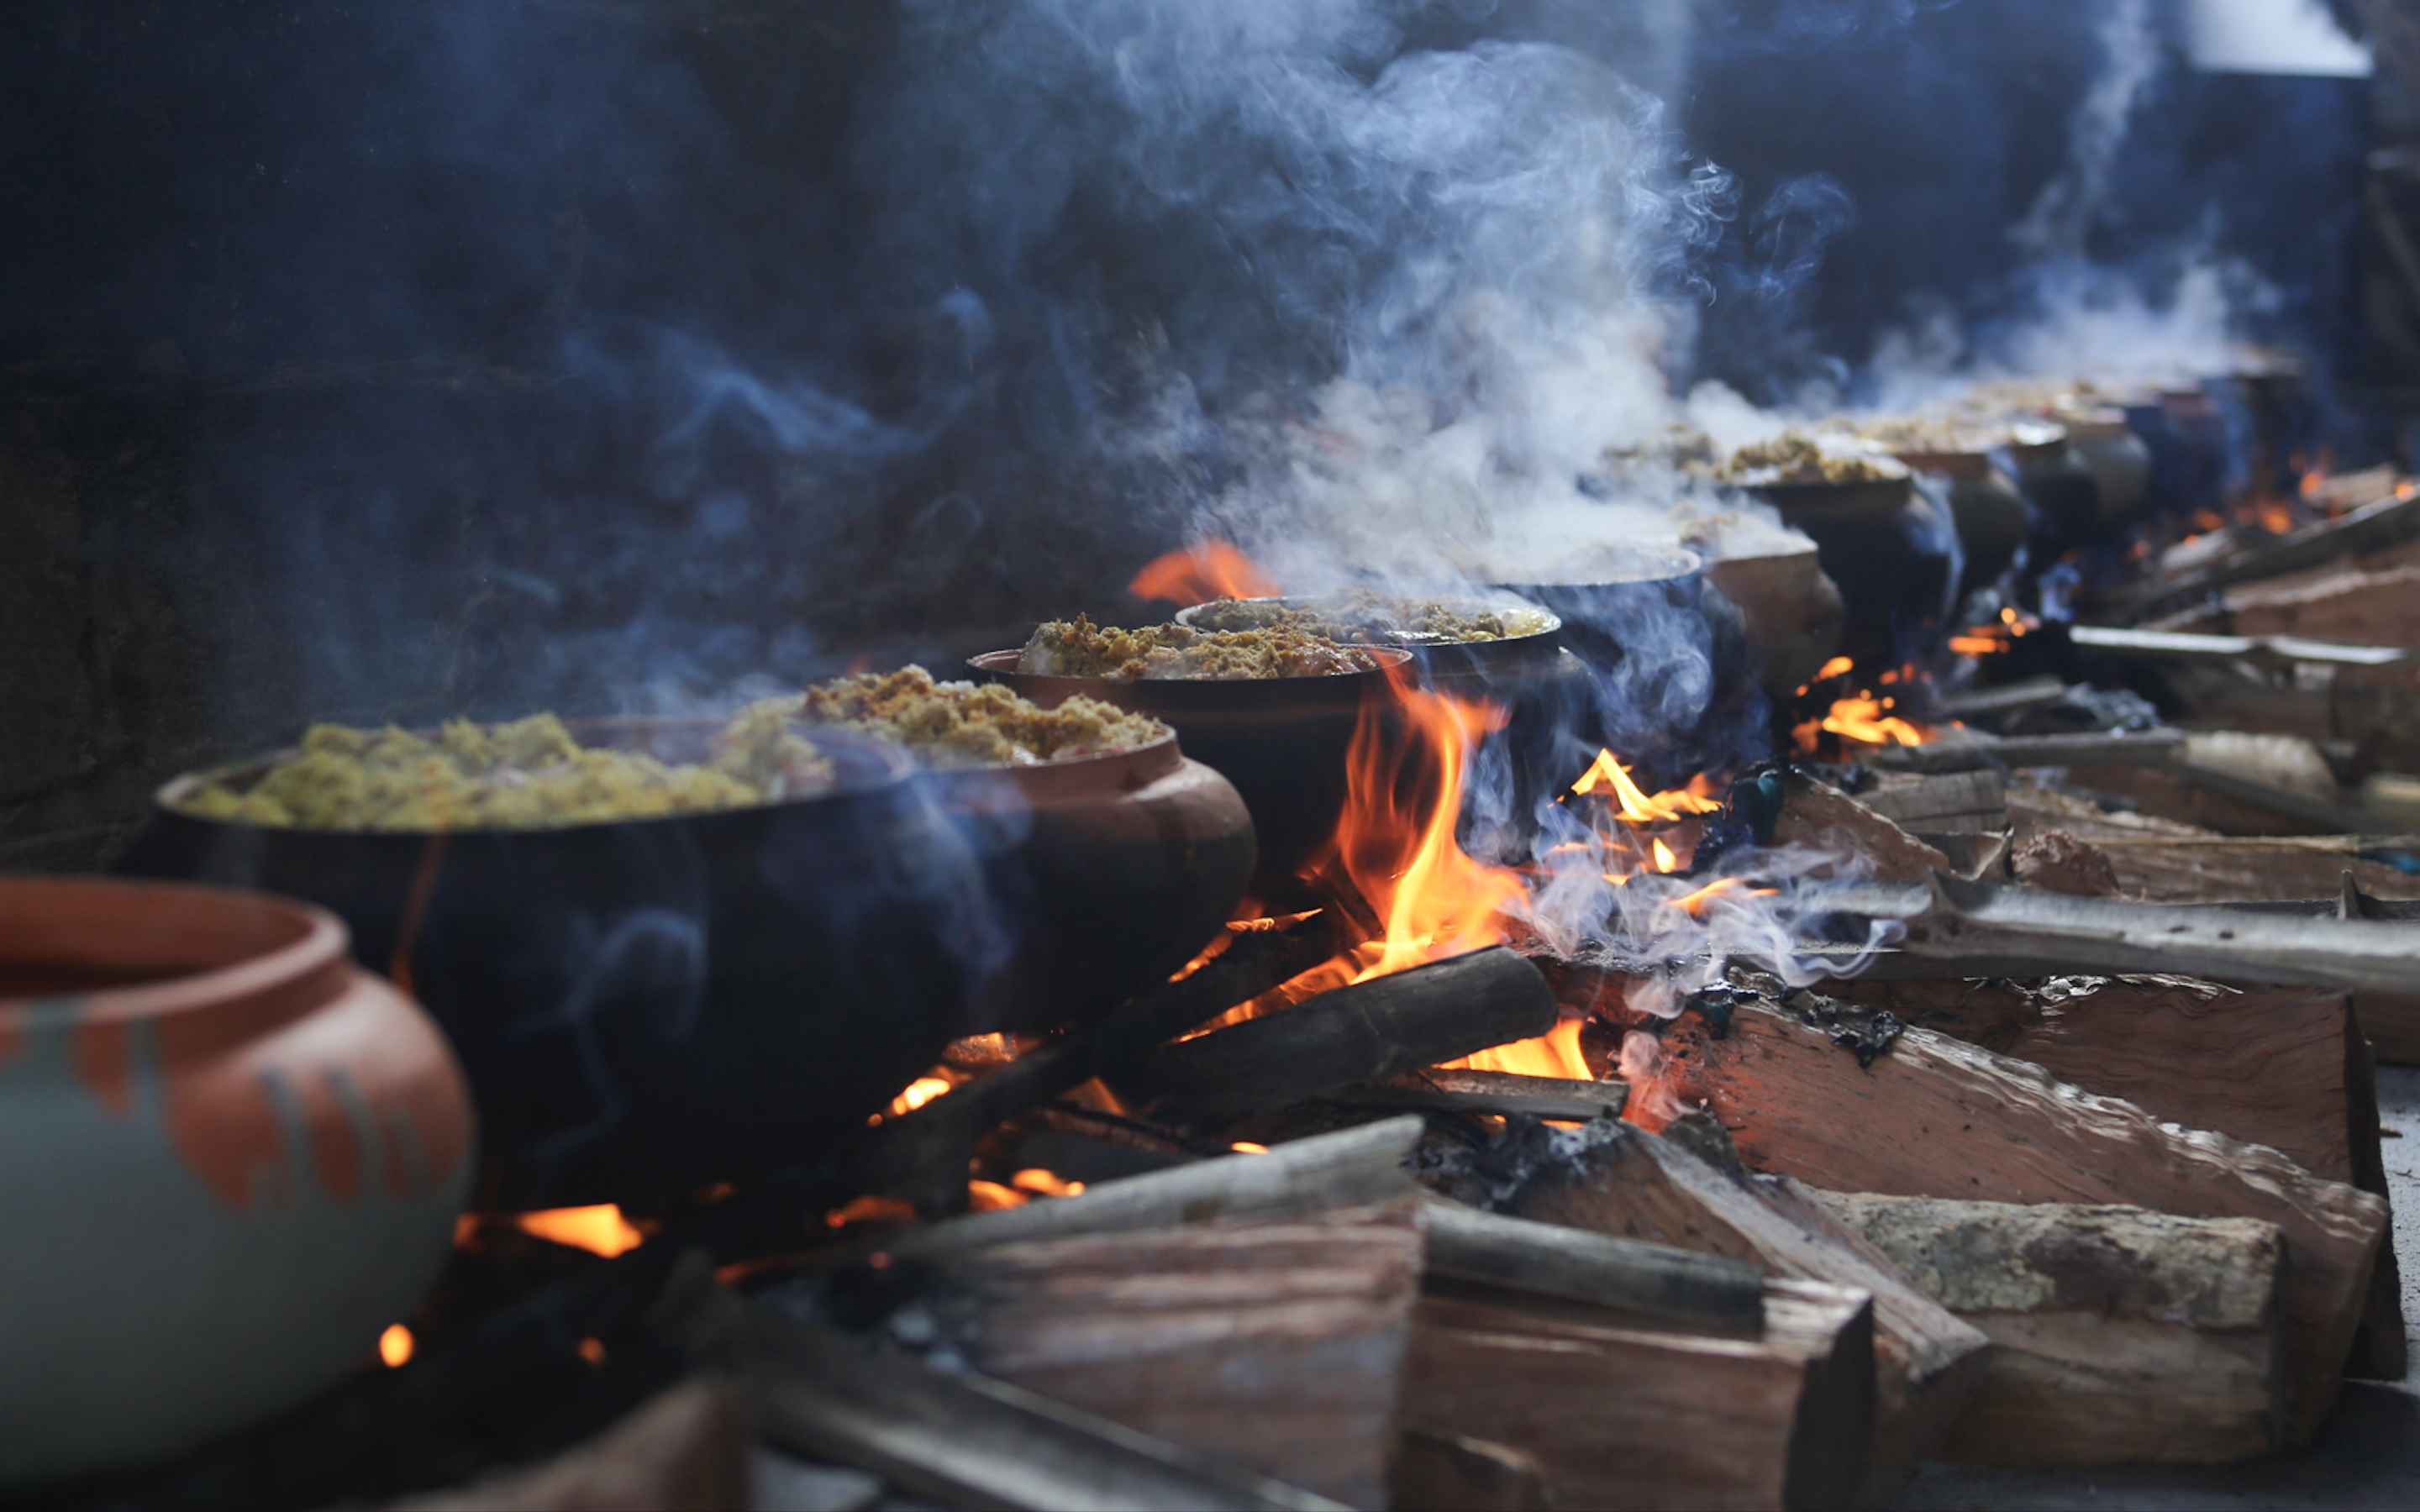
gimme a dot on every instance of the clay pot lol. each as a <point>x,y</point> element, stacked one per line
<point>228,1161</point>
<point>1986,507</point>
<point>1283,742</point>
<point>1886,545</point>
<point>2065,499</point>
<point>1110,871</point>
<point>1792,610</point>
<point>653,1005</point>
<point>2118,461</point>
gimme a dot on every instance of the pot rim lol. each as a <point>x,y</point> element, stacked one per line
<point>323,942</point>
<point>1392,662</point>
<point>1553,627</point>
<point>1106,772</point>
<point>895,767</point>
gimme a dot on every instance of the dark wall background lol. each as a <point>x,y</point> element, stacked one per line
<point>363,361</point>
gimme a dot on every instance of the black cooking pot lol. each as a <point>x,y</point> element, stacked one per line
<point>1283,742</point>
<point>1891,548</point>
<point>659,1004</point>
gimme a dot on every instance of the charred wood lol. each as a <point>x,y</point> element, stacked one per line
<point>1978,752</point>
<point>1553,1261</point>
<point>1365,1032</point>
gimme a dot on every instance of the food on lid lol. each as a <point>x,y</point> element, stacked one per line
<point>962,725</point>
<point>1796,458</point>
<point>1167,652</point>
<point>1365,615</point>
<point>1941,435</point>
<point>531,774</point>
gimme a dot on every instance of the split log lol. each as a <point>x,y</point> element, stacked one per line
<point>2265,1065</point>
<point>1933,1117</point>
<point>1274,1344</point>
<point>2272,651</point>
<point>1978,751</point>
<point>1366,1032</point>
<point>1625,1181</point>
<point>2171,862</point>
<point>1821,817</point>
<point>1351,1167</point>
<point>2392,1022</point>
<point>2118,1335</point>
<point>1951,801</point>
<point>1551,1260</point>
<point>2370,528</point>
<point>1621,1414</point>
<point>2345,604</point>
<point>1438,1472</point>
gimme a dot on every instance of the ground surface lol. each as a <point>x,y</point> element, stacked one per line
<point>2369,1455</point>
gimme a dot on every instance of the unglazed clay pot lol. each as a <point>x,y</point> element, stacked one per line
<point>1984,505</point>
<point>228,1161</point>
<point>1792,610</point>
<point>1110,871</point>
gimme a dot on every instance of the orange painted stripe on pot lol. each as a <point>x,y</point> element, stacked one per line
<point>220,1116</point>
<point>337,1158</point>
<point>12,1036</point>
<point>104,1062</point>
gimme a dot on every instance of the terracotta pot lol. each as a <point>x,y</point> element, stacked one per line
<point>1281,741</point>
<point>1792,610</point>
<point>228,1161</point>
<point>653,1005</point>
<point>1111,873</point>
<point>1886,545</point>
<point>1986,507</point>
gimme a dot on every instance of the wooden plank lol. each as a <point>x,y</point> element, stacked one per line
<point>1620,1416</point>
<point>1553,1261</point>
<point>1934,1117</point>
<point>2118,1335</point>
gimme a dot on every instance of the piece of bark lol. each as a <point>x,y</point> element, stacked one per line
<point>2058,862</point>
<point>1440,1471</point>
<point>2120,1335</point>
<point>1934,1117</point>
<point>1628,1183</point>
<point>685,1450</point>
<point>1821,817</point>
<point>1619,1414</point>
<point>1275,1343</point>
<point>1365,1032</point>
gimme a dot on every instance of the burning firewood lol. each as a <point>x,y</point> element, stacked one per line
<point>1819,817</point>
<point>1365,1032</point>
<point>2118,1335</point>
<point>1933,1117</point>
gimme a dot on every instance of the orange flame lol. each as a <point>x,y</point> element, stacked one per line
<point>1200,572</point>
<point>1555,1053</point>
<point>1636,805</point>
<point>601,1229</point>
<point>1694,904</point>
<point>395,1345</point>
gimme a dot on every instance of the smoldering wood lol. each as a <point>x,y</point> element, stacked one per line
<point>1553,1261</point>
<point>2118,1335</point>
<point>1351,1167</point>
<point>2007,698</point>
<point>1619,1416</point>
<point>1272,1344</point>
<point>963,1439</point>
<point>1934,1117</point>
<point>1628,1183</point>
<point>1365,1032</point>
<point>1440,1471</point>
<point>1971,800</point>
<point>2365,529</point>
<point>1978,751</point>
<point>1500,1093</point>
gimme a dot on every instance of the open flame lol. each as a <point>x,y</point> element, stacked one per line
<point>1872,719</point>
<point>1199,573</point>
<point>1609,775</point>
<point>599,1230</point>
